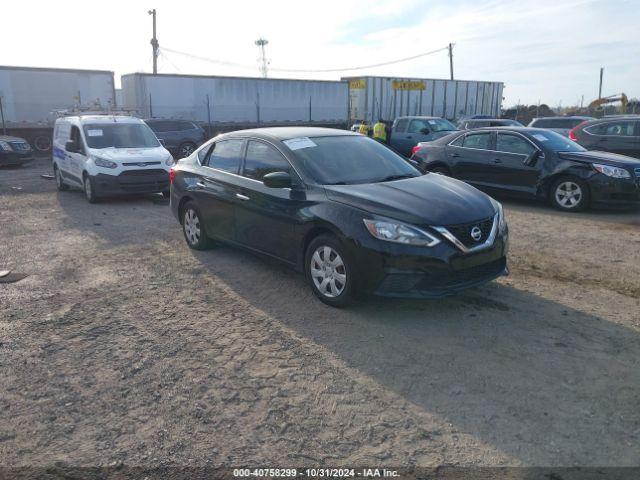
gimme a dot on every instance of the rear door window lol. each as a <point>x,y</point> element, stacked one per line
<point>613,129</point>
<point>509,143</point>
<point>226,155</point>
<point>262,159</point>
<point>481,141</point>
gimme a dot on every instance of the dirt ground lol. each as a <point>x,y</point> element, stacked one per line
<point>123,346</point>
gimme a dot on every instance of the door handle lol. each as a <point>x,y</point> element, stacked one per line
<point>455,155</point>
<point>242,197</point>
<point>497,160</point>
<point>200,184</point>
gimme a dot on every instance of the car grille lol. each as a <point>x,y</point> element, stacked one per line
<point>463,232</point>
<point>139,164</point>
<point>463,277</point>
<point>20,146</point>
<point>140,180</point>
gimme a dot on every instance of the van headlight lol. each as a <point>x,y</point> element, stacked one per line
<point>169,161</point>
<point>610,171</point>
<point>103,162</point>
<point>400,233</point>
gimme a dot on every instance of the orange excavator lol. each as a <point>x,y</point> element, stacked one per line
<point>598,105</point>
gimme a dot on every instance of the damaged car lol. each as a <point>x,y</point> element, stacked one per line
<point>534,163</point>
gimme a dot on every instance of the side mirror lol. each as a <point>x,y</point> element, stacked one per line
<point>71,146</point>
<point>532,159</point>
<point>162,142</point>
<point>277,180</point>
<point>425,131</point>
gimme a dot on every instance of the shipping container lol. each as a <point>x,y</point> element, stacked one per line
<point>237,102</point>
<point>31,96</point>
<point>371,98</point>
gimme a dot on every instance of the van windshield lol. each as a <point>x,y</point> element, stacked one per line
<point>120,135</point>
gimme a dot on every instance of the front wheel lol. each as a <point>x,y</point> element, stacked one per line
<point>90,189</point>
<point>569,194</point>
<point>59,180</point>
<point>329,271</point>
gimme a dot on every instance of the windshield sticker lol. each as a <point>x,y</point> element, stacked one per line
<point>432,122</point>
<point>299,143</point>
<point>94,133</point>
<point>540,137</point>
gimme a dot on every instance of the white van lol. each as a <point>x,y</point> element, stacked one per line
<point>109,155</point>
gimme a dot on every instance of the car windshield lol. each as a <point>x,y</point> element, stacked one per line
<point>556,142</point>
<point>346,159</point>
<point>120,135</point>
<point>441,125</point>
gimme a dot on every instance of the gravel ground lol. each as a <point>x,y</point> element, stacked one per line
<point>122,346</point>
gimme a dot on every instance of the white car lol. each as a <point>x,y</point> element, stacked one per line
<point>109,155</point>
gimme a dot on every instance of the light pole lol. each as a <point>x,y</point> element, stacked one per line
<point>154,42</point>
<point>261,42</point>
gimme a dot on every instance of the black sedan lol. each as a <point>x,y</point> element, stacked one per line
<point>343,208</point>
<point>534,163</point>
<point>14,151</point>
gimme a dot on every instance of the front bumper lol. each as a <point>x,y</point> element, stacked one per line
<point>15,158</point>
<point>414,272</point>
<point>132,181</point>
<point>607,191</point>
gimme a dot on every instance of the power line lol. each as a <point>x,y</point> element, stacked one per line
<point>302,70</point>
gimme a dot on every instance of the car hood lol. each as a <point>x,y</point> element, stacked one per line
<point>431,199</point>
<point>120,155</point>
<point>601,157</point>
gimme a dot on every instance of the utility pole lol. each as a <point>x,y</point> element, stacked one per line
<point>4,127</point>
<point>600,87</point>
<point>261,42</point>
<point>451,59</point>
<point>154,42</point>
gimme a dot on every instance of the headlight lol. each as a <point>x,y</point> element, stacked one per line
<point>610,171</point>
<point>169,161</point>
<point>103,162</point>
<point>5,146</point>
<point>400,233</point>
<point>502,220</point>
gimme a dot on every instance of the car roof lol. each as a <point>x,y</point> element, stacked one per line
<point>620,117</point>
<point>420,117</point>
<point>568,117</point>
<point>509,128</point>
<point>286,133</point>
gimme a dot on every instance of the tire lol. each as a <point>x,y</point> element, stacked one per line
<point>89,189</point>
<point>61,186</point>
<point>329,271</point>
<point>569,194</point>
<point>193,228</point>
<point>185,149</point>
<point>439,169</point>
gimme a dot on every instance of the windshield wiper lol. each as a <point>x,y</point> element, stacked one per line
<point>390,178</point>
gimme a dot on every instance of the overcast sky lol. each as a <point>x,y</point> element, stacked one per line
<point>550,50</point>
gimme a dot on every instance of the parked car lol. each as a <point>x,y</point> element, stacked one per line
<point>488,122</point>
<point>617,135</point>
<point>343,208</point>
<point>14,151</point>
<point>561,125</point>
<point>534,163</point>
<point>407,132</point>
<point>180,137</point>
<point>109,155</point>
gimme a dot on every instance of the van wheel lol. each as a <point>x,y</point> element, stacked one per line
<point>569,194</point>
<point>329,272</point>
<point>193,228</point>
<point>89,189</point>
<point>59,180</point>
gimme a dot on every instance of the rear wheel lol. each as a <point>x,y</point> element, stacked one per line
<point>329,271</point>
<point>193,228</point>
<point>59,180</point>
<point>569,194</point>
<point>89,189</point>
<point>186,149</point>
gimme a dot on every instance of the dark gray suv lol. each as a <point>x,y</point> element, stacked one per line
<point>610,134</point>
<point>180,137</point>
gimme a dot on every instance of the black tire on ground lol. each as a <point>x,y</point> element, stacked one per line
<point>193,228</point>
<point>570,194</point>
<point>89,189</point>
<point>59,181</point>
<point>440,170</point>
<point>329,271</point>
<point>185,149</point>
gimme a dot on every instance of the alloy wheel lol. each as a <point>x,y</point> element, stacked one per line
<point>186,150</point>
<point>328,271</point>
<point>568,194</point>
<point>192,226</point>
